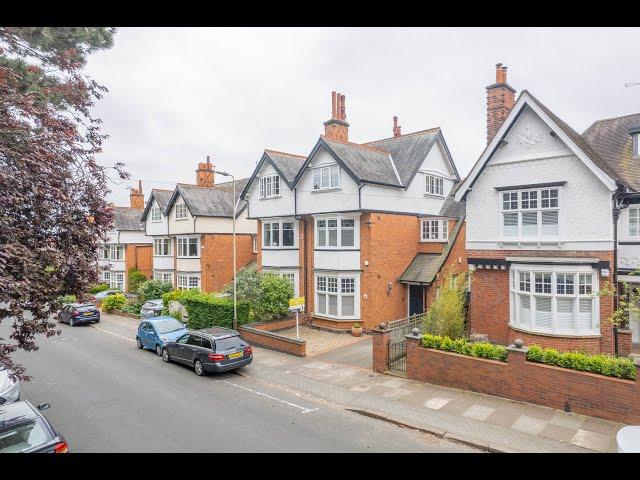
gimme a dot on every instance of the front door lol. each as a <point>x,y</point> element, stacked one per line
<point>416,299</point>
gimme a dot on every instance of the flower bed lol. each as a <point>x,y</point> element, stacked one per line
<point>600,364</point>
<point>464,347</point>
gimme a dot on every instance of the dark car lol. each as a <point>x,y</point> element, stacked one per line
<point>76,313</point>
<point>214,349</point>
<point>24,429</point>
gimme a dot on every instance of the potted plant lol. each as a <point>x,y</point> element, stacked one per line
<point>356,330</point>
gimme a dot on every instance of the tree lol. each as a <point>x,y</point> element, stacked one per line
<point>248,284</point>
<point>53,208</point>
<point>445,316</point>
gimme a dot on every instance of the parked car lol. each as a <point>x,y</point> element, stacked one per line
<point>156,332</point>
<point>24,429</point>
<point>152,308</point>
<point>76,313</point>
<point>214,349</point>
<point>9,387</point>
<point>98,297</point>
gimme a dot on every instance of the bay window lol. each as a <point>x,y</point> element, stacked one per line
<point>336,296</point>
<point>117,252</point>
<point>326,177</point>
<point>634,222</point>
<point>434,185</point>
<point>555,300</point>
<point>188,247</point>
<point>269,186</point>
<point>336,232</point>
<point>188,281</point>
<point>117,280</point>
<point>106,277</point>
<point>434,230</point>
<point>278,234</point>
<point>103,253</point>
<point>162,247</point>
<point>530,214</point>
<point>166,277</point>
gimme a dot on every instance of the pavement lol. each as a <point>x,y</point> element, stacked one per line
<point>108,396</point>
<point>342,381</point>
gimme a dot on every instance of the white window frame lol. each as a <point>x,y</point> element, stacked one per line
<point>105,277</point>
<point>166,277</point>
<point>341,225</point>
<point>104,253</point>
<point>116,253</point>
<point>332,177</point>
<point>184,243</point>
<point>181,209</point>
<point>270,186</point>
<point>156,214</point>
<point>580,291</point>
<point>522,199</point>
<point>188,281</point>
<point>634,227</point>
<point>254,242</point>
<point>117,280</point>
<point>162,247</point>
<point>434,185</point>
<point>268,227</point>
<point>336,285</point>
<point>433,230</point>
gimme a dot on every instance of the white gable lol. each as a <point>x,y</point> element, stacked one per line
<point>283,204</point>
<point>437,163</point>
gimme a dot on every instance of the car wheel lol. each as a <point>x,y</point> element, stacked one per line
<point>197,366</point>
<point>71,322</point>
<point>165,355</point>
<point>97,321</point>
<point>139,343</point>
<point>159,350</point>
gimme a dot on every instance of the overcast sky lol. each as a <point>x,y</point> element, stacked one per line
<point>179,94</point>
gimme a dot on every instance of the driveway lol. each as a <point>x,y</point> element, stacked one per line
<point>357,354</point>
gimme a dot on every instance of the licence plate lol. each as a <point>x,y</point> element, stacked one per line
<point>88,314</point>
<point>235,355</point>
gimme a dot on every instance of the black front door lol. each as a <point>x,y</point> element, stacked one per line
<point>416,299</point>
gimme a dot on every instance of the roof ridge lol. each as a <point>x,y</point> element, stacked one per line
<point>615,118</point>
<point>161,190</point>
<point>351,144</point>
<point>284,153</point>
<point>404,135</point>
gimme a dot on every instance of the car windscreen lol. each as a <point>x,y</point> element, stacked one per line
<point>223,344</point>
<point>85,308</point>
<point>23,436</point>
<point>166,326</point>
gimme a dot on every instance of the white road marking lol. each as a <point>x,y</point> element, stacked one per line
<point>304,410</point>
<point>114,334</point>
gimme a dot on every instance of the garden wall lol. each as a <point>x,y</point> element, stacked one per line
<point>264,334</point>
<point>561,388</point>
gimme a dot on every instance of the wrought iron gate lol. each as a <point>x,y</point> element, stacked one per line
<point>397,359</point>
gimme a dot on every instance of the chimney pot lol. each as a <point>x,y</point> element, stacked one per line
<point>343,112</point>
<point>337,128</point>
<point>396,127</point>
<point>500,101</point>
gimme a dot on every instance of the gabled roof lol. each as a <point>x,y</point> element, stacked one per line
<point>214,201</point>
<point>162,197</point>
<point>579,145</point>
<point>127,218</point>
<point>286,165</point>
<point>611,139</point>
<point>451,207</point>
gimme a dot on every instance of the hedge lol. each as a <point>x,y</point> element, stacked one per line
<point>207,310</point>
<point>464,347</point>
<point>101,287</point>
<point>600,364</point>
<point>114,302</point>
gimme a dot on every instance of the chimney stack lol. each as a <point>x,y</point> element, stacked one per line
<point>204,174</point>
<point>136,197</point>
<point>396,127</point>
<point>337,127</point>
<point>500,100</point>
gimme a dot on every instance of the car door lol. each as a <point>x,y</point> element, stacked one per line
<point>192,348</point>
<point>142,333</point>
<point>177,349</point>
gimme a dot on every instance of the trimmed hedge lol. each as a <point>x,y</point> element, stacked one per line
<point>101,287</point>
<point>601,364</point>
<point>464,347</point>
<point>207,310</point>
<point>114,302</point>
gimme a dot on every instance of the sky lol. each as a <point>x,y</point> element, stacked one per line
<point>177,95</point>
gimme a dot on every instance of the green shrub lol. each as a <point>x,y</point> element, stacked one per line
<point>207,310</point>
<point>464,347</point>
<point>445,316</point>
<point>600,364</point>
<point>114,302</point>
<point>153,289</point>
<point>248,284</point>
<point>135,278</point>
<point>173,295</point>
<point>275,292</point>
<point>70,298</point>
<point>133,308</point>
<point>101,287</point>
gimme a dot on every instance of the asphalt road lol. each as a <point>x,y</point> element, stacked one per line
<point>108,396</point>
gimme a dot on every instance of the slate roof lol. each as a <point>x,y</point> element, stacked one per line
<point>162,197</point>
<point>127,218</point>
<point>287,163</point>
<point>610,138</point>
<point>214,201</point>
<point>425,266</point>
<point>452,208</point>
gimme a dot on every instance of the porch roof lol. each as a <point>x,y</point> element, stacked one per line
<point>422,269</point>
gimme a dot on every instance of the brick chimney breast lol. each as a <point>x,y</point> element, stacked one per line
<point>500,100</point>
<point>136,197</point>
<point>337,127</point>
<point>204,174</point>
<point>396,128</point>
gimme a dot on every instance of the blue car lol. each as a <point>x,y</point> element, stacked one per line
<point>155,332</point>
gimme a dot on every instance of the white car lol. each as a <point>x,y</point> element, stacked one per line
<point>9,387</point>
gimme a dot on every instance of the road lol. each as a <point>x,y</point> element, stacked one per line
<point>108,396</point>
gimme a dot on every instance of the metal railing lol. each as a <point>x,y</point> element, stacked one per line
<point>397,342</point>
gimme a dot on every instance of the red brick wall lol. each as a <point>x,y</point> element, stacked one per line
<point>139,257</point>
<point>273,341</point>
<point>456,261</point>
<point>216,259</point>
<point>585,393</point>
<point>489,305</point>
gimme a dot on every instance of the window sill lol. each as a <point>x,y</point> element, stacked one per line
<point>271,197</point>
<point>435,241</point>
<point>336,319</point>
<point>558,335</point>
<point>187,258</point>
<point>325,190</point>
<point>181,219</point>
<point>278,248</point>
<point>336,249</point>
<point>433,195</point>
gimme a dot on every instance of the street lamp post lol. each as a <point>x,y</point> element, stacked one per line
<point>235,287</point>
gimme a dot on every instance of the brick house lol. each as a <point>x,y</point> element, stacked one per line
<point>192,232</point>
<point>127,245</point>
<point>361,230</point>
<point>540,225</point>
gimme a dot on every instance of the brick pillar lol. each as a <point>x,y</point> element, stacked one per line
<point>624,342</point>
<point>412,343</point>
<point>381,338</point>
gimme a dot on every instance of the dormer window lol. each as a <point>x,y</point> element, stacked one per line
<point>270,186</point>
<point>156,214</point>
